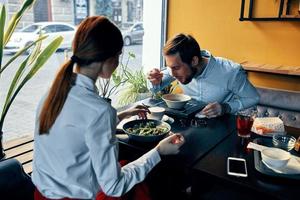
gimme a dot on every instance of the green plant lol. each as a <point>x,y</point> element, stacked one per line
<point>135,85</point>
<point>108,87</point>
<point>28,67</point>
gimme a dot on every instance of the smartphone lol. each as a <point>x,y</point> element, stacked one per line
<point>236,167</point>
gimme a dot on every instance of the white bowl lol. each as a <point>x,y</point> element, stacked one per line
<point>156,113</point>
<point>275,157</point>
<point>176,101</point>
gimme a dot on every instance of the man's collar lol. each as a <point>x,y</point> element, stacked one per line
<point>210,61</point>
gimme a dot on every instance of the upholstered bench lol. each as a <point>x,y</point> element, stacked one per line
<point>284,104</point>
<point>14,182</point>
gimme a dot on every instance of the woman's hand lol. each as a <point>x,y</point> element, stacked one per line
<point>170,145</point>
<point>139,110</point>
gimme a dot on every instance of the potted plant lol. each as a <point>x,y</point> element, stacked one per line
<point>108,87</point>
<point>135,88</point>
<point>28,67</point>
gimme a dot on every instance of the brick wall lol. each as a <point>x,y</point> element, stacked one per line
<point>63,11</point>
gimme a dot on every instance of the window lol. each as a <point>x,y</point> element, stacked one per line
<point>30,29</point>
<point>49,29</point>
<point>145,43</point>
<point>138,27</point>
<point>62,28</point>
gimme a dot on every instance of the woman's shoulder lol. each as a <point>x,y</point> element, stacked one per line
<point>90,101</point>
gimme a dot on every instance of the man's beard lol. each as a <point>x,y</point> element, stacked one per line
<point>191,76</point>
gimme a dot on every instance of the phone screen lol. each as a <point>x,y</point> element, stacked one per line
<point>237,166</point>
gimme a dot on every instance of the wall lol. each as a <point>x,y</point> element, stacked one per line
<point>12,7</point>
<point>62,11</point>
<point>216,26</point>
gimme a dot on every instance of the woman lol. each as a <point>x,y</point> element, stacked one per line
<point>75,149</point>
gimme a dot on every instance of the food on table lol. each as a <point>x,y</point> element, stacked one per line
<point>267,125</point>
<point>297,145</point>
<point>147,129</point>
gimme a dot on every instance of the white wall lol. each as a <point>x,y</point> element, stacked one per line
<point>154,37</point>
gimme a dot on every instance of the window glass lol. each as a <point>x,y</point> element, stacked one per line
<point>49,29</point>
<point>62,28</point>
<point>126,14</point>
<point>30,29</point>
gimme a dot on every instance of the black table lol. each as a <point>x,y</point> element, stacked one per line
<point>204,156</point>
<point>212,169</point>
<point>172,175</point>
<point>199,140</point>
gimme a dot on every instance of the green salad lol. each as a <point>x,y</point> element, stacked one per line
<point>147,129</point>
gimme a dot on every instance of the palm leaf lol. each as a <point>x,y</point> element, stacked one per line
<point>21,51</point>
<point>11,89</point>
<point>43,57</point>
<point>36,50</point>
<point>40,61</point>
<point>2,24</point>
<point>15,20</point>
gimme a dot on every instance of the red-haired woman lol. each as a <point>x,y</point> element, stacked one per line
<point>75,148</point>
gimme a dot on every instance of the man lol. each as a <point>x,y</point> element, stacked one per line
<point>219,82</point>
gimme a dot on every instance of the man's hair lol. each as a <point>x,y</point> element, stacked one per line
<point>185,45</point>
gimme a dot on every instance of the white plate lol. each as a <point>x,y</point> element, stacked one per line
<point>271,134</point>
<point>168,119</point>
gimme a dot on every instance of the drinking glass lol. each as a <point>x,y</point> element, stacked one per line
<point>244,122</point>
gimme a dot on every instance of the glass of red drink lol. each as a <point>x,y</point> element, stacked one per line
<point>244,122</point>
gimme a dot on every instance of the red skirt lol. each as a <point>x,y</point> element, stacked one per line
<point>138,192</point>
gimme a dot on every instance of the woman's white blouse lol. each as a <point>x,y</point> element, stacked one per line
<point>79,156</point>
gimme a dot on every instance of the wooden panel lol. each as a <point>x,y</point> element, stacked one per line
<point>22,150</point>
<point>19,150</point>
<point>15,142</point>
<point>27,157</point>
<point>275,69</point>
<point>28,168</point>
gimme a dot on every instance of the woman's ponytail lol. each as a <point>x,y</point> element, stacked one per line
<point>57,96</point>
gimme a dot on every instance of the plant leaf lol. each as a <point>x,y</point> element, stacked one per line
<point>15,20</point>
<point>131,54</point>
<point>21,51</point>
<point>13,85</point>
<point>43,57</point>
<point>40,61</point>
<point>2,24</point>
<point>36,50</point>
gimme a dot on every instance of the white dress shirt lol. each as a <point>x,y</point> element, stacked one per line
<point>79,156</point>
<point>222,81</point>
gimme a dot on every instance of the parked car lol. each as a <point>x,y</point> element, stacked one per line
<point>134,34</point>
<point>25,36</point>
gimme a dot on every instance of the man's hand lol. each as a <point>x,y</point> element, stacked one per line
<point>212,110</point>
<point>155,76</point>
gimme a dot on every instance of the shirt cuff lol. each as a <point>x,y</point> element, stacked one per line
<point>235,106</point>
<point>154,157</point>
